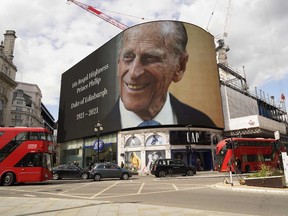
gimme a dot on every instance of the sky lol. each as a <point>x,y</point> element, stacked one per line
<point>53,36</point>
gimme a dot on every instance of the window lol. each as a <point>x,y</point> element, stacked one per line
<point>5,70</point>
<point>19,109</point>
<point>13,144</point>
<point>100,166</point>
<point>40,136</point>
<point>31,160</point>
<point>178,162</point>
<point>18,116</point>
<point>33,136</point>
<point>21,136</point>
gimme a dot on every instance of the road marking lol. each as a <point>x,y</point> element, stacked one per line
<point>75,188</point>
<point>149,193</point>
<point>84,185</point>
<point>29,195</point>
<point>103,191</point>
<point>176,188</point>
<point>141,188</point>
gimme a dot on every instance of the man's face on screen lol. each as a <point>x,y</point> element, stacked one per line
<point>146,68</point>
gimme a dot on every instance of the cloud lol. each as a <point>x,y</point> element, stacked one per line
<point>52,36</point>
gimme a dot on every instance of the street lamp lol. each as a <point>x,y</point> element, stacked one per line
<point>188,147</point>
<point>98,128</point>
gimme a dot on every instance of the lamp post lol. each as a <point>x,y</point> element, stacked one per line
<point>188,147</point>
<point>98,128</point>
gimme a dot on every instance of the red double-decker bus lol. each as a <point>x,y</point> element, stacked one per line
<point>25,155</point>
<point>247,154</point>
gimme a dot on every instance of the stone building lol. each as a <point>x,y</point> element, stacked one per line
<point>7,77</point>
<point>26,106</point>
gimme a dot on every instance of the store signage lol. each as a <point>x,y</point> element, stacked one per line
<point>95,145</point>
<point>190,137</point>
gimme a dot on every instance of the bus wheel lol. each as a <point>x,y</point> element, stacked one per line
<point>247,168</point>
<point>8,179</point>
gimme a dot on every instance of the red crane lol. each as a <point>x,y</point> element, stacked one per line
<point>100,14</point>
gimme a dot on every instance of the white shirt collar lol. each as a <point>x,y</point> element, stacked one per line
<point>164,117</point>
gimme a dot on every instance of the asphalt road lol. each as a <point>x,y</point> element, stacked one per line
<point>195,192</point>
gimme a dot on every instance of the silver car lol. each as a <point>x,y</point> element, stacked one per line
<point>109,170</point>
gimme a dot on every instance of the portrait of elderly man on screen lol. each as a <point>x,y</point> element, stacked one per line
<point>152,56</point>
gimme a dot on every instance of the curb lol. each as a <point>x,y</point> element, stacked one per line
<point>245,188</point>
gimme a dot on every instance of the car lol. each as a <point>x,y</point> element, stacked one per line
<point>163,167</point>
<point>109,170</point>
<point>69,171</point>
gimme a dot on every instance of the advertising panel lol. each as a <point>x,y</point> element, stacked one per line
<point>152,156</point>
<point>165,71</point>
<point>133,161</point>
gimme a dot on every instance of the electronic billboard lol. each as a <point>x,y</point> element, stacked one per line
<point>140,75</point>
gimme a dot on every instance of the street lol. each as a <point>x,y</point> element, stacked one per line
<point>195,192</point>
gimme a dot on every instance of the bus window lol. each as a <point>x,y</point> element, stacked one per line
<point>12,145</point>
<point>42,136</point>
<point>21,137</point>
<point>244,158</point>
<point>269,157</point>
<point>50,137</point>
<point>33,136</point>
<point>30,160</point>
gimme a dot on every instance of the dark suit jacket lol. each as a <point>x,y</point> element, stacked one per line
<point>185,114</point>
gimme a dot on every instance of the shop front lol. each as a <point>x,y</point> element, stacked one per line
<point>140,148</point>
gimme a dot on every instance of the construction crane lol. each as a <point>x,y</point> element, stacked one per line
<point>228,17</point>
<point>222,49</point>
<point>100,14</point>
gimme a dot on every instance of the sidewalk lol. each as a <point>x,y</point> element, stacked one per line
<point>18,206</point>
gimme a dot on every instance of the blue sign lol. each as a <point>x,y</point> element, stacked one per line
<point>101,145</point>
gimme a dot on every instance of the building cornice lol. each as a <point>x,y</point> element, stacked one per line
<point>8,80</point>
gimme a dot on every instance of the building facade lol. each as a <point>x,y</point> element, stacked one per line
<point>26,106</point>
<point>7,77</point>
<point>244,113</point>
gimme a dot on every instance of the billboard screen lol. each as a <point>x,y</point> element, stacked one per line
<point>165,71</point>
